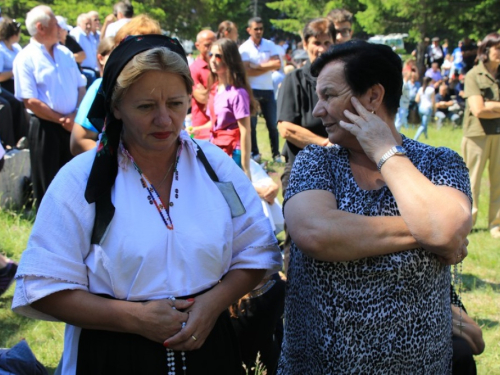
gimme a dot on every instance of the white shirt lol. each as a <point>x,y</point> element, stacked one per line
<point>426,98</point>
<point>139,258</point>
<point>274,212</point>
<point>7,56</point>
<point>87,42</point>
<point>54,81</point>
<point>257,55</point>
<point>113,28</point>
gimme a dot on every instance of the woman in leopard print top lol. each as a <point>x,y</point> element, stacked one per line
<point>374,233</point>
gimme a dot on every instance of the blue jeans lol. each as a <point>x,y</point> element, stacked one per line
<point>441,116</point>
<point>90,74</point>
<point>425,115</point>
<point>269,110</point>
<point>402,118</point>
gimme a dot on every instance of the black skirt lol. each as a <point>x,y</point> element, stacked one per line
<point>106,352</point>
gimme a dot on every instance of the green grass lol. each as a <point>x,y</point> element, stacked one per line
<point>481,271</point>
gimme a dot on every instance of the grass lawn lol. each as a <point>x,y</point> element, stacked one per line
<point>481,271</point>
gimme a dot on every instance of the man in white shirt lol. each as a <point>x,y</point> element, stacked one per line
<point>123,13</point>
<point>96,26</point>
<point>83,35</point>
<point>51,86</point>
<point>261,57</point>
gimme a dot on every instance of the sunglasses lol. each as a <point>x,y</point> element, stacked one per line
<point>217,55</point>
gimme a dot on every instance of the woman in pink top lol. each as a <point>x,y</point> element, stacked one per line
<point>230,103</point>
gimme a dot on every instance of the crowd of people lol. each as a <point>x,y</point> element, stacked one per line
<point>146,162</point>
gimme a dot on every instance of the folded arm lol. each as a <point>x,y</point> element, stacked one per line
<point>300,136</point>
<point>325,233</point>
<point>254,70</point>
<point>482,109</point>
<point>438,217</point>
<point>42,110</point>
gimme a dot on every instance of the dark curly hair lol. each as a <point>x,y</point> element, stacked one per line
<point>365,65</point>
<point>9,28</point>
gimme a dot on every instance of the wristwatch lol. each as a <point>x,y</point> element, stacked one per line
<point>394,150</point>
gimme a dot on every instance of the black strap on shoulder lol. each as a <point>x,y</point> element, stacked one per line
<point>205,163</point>
<point>104,211</point>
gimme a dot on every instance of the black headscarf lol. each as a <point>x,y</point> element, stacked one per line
<point>105,168</point>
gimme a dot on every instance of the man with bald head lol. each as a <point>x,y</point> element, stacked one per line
<point>200,71</point>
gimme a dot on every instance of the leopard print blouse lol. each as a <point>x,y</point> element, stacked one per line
<point>381,315</point>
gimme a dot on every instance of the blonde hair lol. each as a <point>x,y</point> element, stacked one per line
<point>155,59</point>
<point>140,25</point>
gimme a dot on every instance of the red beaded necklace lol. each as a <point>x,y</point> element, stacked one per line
<point>153,196</point>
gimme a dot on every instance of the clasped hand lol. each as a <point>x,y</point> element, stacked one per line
<point>159,319</point>
<point>178,324</point>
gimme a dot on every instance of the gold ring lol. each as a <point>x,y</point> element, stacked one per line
<point>194,337</point>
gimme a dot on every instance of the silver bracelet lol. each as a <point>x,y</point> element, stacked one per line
<point>394,150</point>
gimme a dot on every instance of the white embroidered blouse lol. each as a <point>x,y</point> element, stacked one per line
<point>139,258</point>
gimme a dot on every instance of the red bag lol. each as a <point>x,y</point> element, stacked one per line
<point>226,139</point>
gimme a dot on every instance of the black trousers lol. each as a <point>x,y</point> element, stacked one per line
<point>105,352</point>
<point>8,85</point>
<point>6,124</point>
<point>463,361</point>
<point>19,116</point>
<point>259,327</point>
<point>49,151</point>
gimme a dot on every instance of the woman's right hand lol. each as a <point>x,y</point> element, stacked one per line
<point>372,133</point>
<point>159,319</point>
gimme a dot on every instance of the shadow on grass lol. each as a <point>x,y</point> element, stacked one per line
<point>479,230</point>
<point>472,282</point>
<point>488,323</point>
